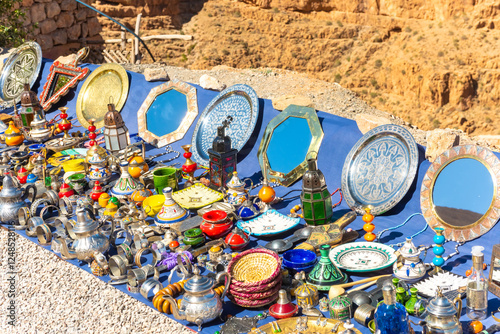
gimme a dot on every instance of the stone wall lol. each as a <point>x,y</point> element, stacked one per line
<point>60,22</point>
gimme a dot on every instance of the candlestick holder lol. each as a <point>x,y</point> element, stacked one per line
<point>189,167</point>
<point>369,226</point>
<point>438,251</point>
<point>64,125</point>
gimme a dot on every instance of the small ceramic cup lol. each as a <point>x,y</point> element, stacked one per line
<point>166,177</point>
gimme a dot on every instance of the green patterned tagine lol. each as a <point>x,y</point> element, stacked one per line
<point>325,273</point>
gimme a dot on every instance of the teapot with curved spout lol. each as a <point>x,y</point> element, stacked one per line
<point>12,199</point>
<point>236,192</point>
<point>409,266</point>
<point>200,304</point>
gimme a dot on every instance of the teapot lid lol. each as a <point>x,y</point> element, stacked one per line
<point>441,306</point>
<point>408,249</point>
<point>198,283</point>
<point>83,224</point>
<point>235,181</point>
<point>9,187</point>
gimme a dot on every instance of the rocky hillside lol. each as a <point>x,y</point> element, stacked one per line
<point>436,64</point>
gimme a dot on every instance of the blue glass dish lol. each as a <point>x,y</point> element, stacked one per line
<point>299,259</point>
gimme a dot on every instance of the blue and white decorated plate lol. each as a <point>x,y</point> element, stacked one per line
<point>269,223</point>
<point>379,169</point>
<point>240,102</point>
<point>362,256</point>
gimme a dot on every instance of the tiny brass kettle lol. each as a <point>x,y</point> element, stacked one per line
<point>200,304</point>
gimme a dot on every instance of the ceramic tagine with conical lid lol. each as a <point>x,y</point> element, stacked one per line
<point>325,273</point>
<point>170,212</point>
<point>126,184</point>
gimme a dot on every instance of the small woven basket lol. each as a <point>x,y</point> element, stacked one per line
<point>253,303</point>
<point>257,289</point>
<point>254,268</point>
<point>256,295</point>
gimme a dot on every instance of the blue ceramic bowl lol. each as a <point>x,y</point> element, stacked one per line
<point>299,259</point>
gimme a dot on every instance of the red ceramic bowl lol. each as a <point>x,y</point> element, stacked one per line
<point>216,224</point>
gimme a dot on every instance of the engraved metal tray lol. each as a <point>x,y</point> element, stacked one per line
<point>107,84</point>
<point>303,325</point>
<point>196,196</point>
<point>22,66</point>
<point>362,256</point>
<point>269,223</point>
<point>240,102</point>
<point>379,169</point>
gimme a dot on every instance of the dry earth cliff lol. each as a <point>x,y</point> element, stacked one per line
<point>436,64</point>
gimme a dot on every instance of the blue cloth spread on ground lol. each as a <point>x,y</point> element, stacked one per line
<point>340,136</point>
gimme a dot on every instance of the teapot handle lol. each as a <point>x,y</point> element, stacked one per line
<point>251,183</point>
<point>421,323</point>
<point>458,300</point>
<point>26,193</point>
<point>218,278</point>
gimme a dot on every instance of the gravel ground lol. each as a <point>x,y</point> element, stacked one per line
<point>54,296</point>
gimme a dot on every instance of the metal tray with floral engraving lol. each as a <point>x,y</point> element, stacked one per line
<point>449,283</point>
<point>269,223</point>
<point>239,101</point>
<point>196,196</point>
<point>22,66</point>
<point>379,169</point>
<point>362,256</point>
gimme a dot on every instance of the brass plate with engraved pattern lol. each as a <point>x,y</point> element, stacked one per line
<point>108,83</point>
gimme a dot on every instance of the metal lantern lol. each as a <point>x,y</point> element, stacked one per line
<point>29,106</point>
<point>222,157</point>
<point>116,134</point>
<point>315,197</point>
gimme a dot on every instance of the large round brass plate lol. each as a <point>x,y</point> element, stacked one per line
<point>107,84</point>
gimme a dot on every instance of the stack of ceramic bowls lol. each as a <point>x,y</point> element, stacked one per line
<point>255,278</point>
<point>299,260</point>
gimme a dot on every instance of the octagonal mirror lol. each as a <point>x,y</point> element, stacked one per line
<point>287,139</point>
<point>167,113</point>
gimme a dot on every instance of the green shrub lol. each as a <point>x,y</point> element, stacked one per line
<point>12,33</point>
<point>378,63</point>
<point>338,77</point>
<point>340,24</point>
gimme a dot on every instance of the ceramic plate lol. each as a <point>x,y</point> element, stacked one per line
<point>448,282</point>
<point>362,256</point>
<point>269,223</point>
<point>196,196</point>
<point>23,65</point>
<point>240,102</point>
<point>108,83</point>
<point>379,169</point>
<point>59,158</point>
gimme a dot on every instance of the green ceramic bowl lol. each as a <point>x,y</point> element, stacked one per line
<point>193,233</point>
<point>194,241</point>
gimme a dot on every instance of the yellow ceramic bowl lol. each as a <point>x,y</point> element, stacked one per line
<point>153,204</point>
<point>73,165</point>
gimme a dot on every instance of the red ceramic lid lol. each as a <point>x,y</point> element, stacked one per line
<point>214,216</point>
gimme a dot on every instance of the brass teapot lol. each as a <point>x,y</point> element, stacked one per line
<point>200,304</point>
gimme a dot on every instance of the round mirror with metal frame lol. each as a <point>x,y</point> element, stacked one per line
<point>287,140</point>
<point>460,192</point>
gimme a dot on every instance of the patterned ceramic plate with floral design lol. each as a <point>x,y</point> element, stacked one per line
<point>196,196</point>
<point>362,256</point>
<point>270,222</point>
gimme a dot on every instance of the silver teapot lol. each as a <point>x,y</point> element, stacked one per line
<point>88,238</point>
<point>12,199</point>
<point>442,316</point>
<point>200,304</point>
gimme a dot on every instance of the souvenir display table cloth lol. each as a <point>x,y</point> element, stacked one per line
<point>340,135</point>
